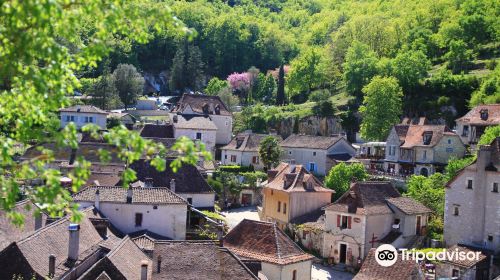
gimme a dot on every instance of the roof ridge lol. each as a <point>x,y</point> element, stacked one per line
<point>278,249</point>
<point>120,245</point>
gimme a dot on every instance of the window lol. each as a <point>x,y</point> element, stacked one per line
<point>449,150</point>
<point>312,166</point>
<point>198,135</point>
<point>469,184</point>
<point>138,219</point>
<point>456,210</point>
<point>495,187</point>
<point>225,156</point>
<point>343,221</point>
<point>279,206</point>
<point>89,119</point>
<point>233,158</point>
<point>70,118</point>
<point>284,208</point>
<point>426,138</point>
<point>490,238</point>
<point>314,154</point>
<point>67,119</point>
<point>294,274</point>
<point>465,131</point>
<point>455,273</point>
<point>449,141</point>
<point>255,160</point>
<point>289,152</point>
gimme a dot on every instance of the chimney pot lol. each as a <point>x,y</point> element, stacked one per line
<point>74,241</point>
<point>52,265</point>
<point>148,182</point>
<point>172,185</point>
<point>97,200</point>
<point>158,266</point>
<point>144,270</point>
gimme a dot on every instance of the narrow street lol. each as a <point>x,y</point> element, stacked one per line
<point>234,216</point>
<point>321,272</point>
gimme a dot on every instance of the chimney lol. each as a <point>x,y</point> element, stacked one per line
<point>484,157</point>
<point>158,265</point>
<point>292,166</point>
<point>172,185</point>
<point>38,221</point>
<point>129,195</point>
<point>97,200</point>
<point>148,182</point>
<point>74,241</point>
<point>144,270</point>
<point>52,266</point>
<point>175,118</point>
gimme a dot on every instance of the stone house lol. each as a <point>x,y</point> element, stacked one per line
<point>369,214</point>
<point>134,209</point>
<point>197,128</point>
<point>421,149</point>
<point>464,269</point>
<point>371,155</point>
<point>472,125</point>
<point>244,150</point>
<point>82,115</point>
<point>124,118</point>
<point>265,245</point>
<point>212,107</point>
<point>291,191</point>
<point>472,202</point>
<point>146,104</point>
<point>316,153</point>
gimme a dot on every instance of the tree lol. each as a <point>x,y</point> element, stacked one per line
<point>104,93</point>
<point>187,68</point>
<point>307,72</point>
<point>458,57</point>
<point>128,82</point>
<point>37,78</point>
<point>456,164</point>
<point>381,108</point>
<point>489,135</point>
<point>264,88</point>
<point>342,175</point>
<point>227,96</point>
<point>359,67</point>
<point>428,191</point>
<point>489,92</point>
<point>270,151</point>
<point>410,67</point>
<point>324,109</point>
<point>215,85</point>
<point>280,95</point>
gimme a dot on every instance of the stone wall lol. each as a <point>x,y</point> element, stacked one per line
<point>312,125</point>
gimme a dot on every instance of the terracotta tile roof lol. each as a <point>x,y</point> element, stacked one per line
<point>309,142</point>
<point>295,178</point>
<point>474,116</point>
<point>401,131</point>
<point>9,232</point>
<point>408,205</point>
<point>464,263</point>
<point>414,137</point>
<point>157,131</point>
<point>265,242</point>
<point>188,178</point>
<point>103,179</point>
<point>119,195</point>
<point>32,253</point>
<point>197,260</point>
<point>197,102</point>
<point>246,142</point>
<point>401,270</point>
<point>83,109</point>
<point>365,198</point>
<point>193,122</point>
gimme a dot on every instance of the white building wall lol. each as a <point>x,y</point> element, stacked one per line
<point>224,128</point>
<point>285,272</point>
<point>200,199</point>
<point>305,157</point>
<point>168,219</point>
<point>207,136</point>
<point>79,119</point>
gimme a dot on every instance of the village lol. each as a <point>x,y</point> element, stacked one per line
<point>246,212</point>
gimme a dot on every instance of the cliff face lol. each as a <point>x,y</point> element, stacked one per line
<point>311,125</point>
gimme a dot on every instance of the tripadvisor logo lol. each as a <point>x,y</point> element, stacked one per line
<point>386,255</point>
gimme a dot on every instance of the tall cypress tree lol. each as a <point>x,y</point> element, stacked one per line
<point>280,95</point>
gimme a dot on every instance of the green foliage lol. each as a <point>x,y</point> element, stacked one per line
<point>381,108</point>
<point>215,85</point>
<point>280,95</point>
<point>128,82</point>
<point>227,96</point>
<point>359,67</point>
<point>489,92</point>
<point>235,168</point>
<point>319,95</point>
<point>428,191</point>
<point>341,176</point>
<point>308,71</point>
<point>455,165</point>
<point>187,68</point>
<point>104,93</point>
<point>489,135</point>
<point>410,67</point>
<point>459,57</point>
<point>270,151</point>
<point>324,109</point>
<point>264,89</point>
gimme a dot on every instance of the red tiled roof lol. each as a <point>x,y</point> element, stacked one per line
<point>365,198</point>
<point>295,178</point>
<point>197,101</point>
<point>414,136</point>
<point>467,263</point>
<point>139,195</point>
<point>474,116</point>
<point>265,242</point>
<point>401,270</point>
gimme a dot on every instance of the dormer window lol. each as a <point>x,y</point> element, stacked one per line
<point>239,142</point>
<point>484,114</point>
<point>205,108</point>
<point>217,109</point>
<point>426,137</point>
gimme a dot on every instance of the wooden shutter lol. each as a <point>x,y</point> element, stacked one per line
<point>349,218</point>
<point>338,220</point>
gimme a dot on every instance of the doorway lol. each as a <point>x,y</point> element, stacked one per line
<point>419,223</point>
<point>343,253</point>
<point>246,199</point>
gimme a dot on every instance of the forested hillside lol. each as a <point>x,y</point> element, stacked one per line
<point>442,54</point>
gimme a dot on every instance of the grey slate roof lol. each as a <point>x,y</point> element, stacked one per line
<point>198,101</point>
<point>193,122</point>
<point>408,205</point>
<point>119,195</point>
<point>309,142</point>
<point>84,109</point>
